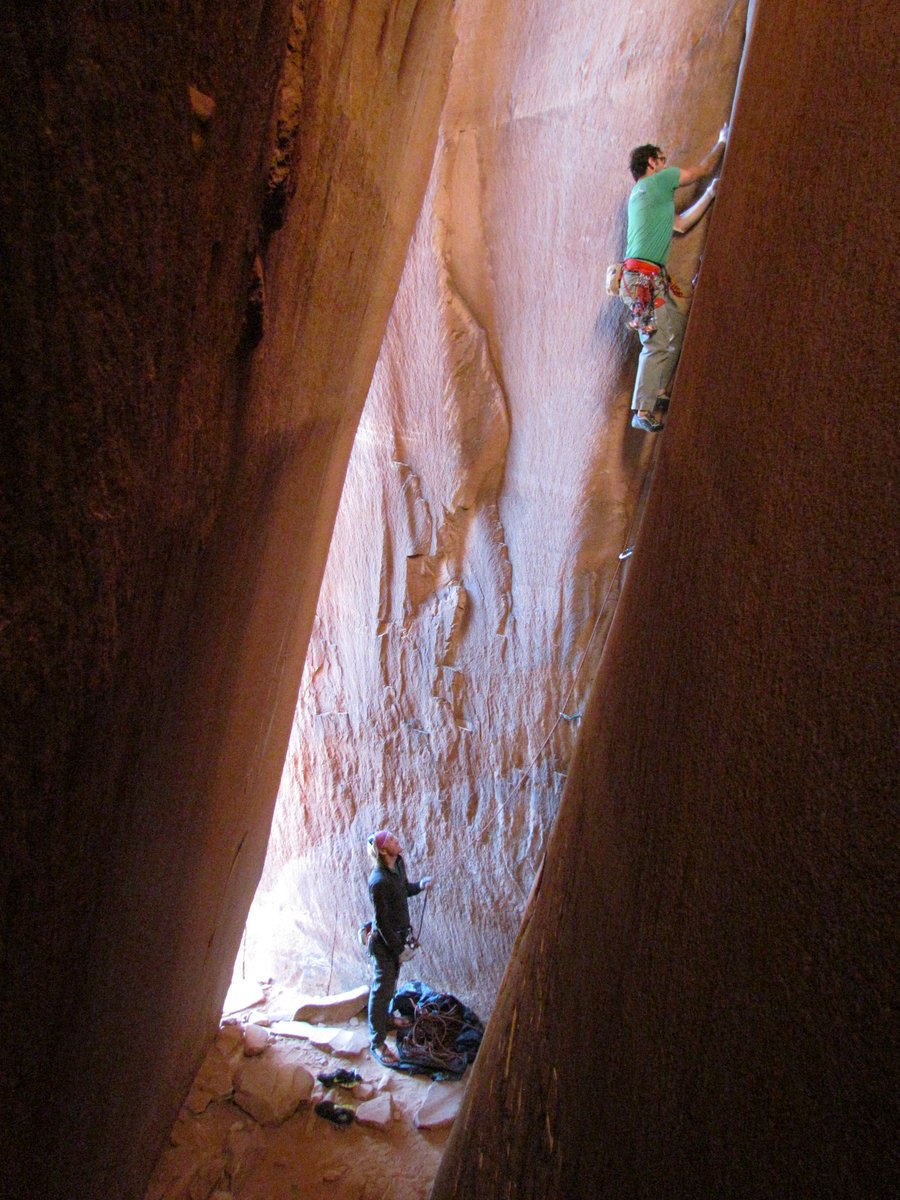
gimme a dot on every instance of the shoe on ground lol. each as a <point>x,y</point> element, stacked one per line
<point>341,1077</point>
<point>384,1054</point>
<point>338,1114</point>
<point>646,421</point>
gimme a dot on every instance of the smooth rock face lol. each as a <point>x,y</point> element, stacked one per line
<point>192,320</point>
<point>696,1006</point>
<point>493,483</point>
<point>204,218</point>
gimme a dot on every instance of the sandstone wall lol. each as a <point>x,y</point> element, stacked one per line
<point>492,486</point>
<point>700,1001</point>
<point>204,213</point>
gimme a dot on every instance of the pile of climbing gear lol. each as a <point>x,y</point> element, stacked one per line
<point>437,1034</point>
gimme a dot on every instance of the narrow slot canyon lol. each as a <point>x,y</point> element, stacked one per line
<point>322,513</point>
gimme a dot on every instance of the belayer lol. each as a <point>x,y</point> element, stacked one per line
<point>389,890</point>
<point>645,288</point>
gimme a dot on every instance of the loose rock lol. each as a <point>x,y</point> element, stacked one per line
<point>345,1042</point>
<point>375,1112</point>
<point>439,1108</point>
<point>270,1090</point>
<point>335,1009</point>
<point>255,1039</point>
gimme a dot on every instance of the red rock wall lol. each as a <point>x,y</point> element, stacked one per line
<point>204,216</point>
<point>491,488</point>
<point>700,1000</point>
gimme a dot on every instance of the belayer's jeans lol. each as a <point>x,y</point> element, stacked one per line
<point>385,969</point>
<point>659,355</point>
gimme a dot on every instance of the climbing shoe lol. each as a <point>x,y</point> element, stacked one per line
<point>336,1113</point>
<point>646,421</point>
<point>344,1079</point>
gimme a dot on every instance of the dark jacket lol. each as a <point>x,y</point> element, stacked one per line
<point>389,891</point>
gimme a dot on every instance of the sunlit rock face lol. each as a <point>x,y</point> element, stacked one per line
<point>699,1002</point>
<point>205,212</point>
<point>493,484</point>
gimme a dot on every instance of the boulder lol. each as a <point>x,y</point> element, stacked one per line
<point>214,1080</point>
<point>439,1107</point>
<point>336,1009</point>
<point>271,1088</point>
<point>377,1112</point>
<point>343,1042</point>
<point>256,1038</point>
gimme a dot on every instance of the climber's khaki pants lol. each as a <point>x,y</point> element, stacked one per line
<point>659,351</point>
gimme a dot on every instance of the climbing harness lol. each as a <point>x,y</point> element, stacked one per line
<point>643,293</point>
<point>413,940</point>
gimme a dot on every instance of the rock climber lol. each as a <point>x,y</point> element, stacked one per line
<point>646,289</point>
<point>389,889</point>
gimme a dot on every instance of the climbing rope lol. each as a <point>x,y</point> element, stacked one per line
<point>422,919</point>
<point>431,1038</point>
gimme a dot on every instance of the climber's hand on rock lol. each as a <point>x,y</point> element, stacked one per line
<point>713,187</point>
<point>723,133</point>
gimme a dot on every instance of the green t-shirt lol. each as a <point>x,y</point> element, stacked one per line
<point>651,211</point>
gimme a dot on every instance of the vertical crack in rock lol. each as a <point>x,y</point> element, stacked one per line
<point>495,433</point>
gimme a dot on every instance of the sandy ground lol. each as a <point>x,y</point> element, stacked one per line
<point>222,1153</point>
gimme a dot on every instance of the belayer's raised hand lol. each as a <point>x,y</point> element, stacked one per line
<point>425,882</point>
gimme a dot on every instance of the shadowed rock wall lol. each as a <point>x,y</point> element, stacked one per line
<point>491,488</point>
<point>204,213</point>
<point>700,1001</point>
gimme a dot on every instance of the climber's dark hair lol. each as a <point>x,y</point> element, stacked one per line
<point>640,159</point>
